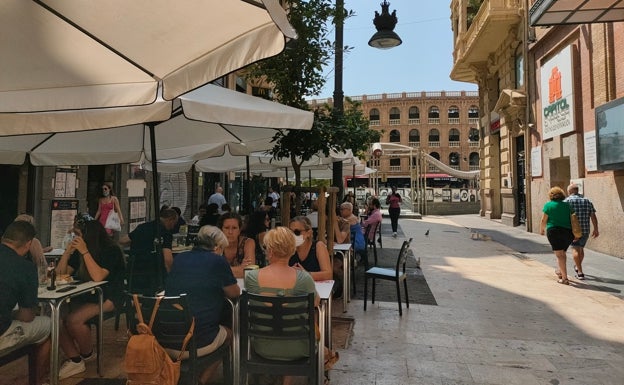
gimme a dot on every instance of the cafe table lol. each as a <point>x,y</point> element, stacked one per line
<point>54,254</point>
<point>324,290</point>
<point>346,251</point>
<point>55,299</point>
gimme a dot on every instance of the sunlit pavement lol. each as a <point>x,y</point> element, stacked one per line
<point>501,317</point>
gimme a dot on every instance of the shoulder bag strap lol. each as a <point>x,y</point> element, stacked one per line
<point>187,338</point>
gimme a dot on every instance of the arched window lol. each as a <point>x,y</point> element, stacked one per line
<point>454,159</point>
<point>453,135</point>
<point>434,113</point>
<point>395,136</point>
<point>395,113</point>
<point>473,159</point>
<point>473,135</point>
<point>473,112</point>
<point>373,115</point>
<point>414,136</point>
<point>414,113</point>
<point>435,155</point>
<point>453,112</point>
<point>434,135</point>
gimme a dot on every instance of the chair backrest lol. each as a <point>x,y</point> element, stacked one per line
<point>171,324</point>
<point>369,232</point>
<point>402,257</point>
<point>146,273</point>
<point>277,319</point>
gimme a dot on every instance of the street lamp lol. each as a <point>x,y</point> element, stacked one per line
<point>385,38</point>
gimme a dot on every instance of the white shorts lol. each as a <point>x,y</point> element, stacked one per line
<point>25,333</point>
<point>204,350</point>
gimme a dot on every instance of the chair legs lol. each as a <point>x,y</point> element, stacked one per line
<point>398,291</point>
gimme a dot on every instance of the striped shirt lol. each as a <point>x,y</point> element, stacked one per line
<point>583,208</point>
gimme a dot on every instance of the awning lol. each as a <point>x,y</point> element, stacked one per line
<point>552,12</point>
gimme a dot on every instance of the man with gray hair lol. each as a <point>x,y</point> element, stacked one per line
<point>585,212</point>
<point>218,198</point>
<point>207,279</point>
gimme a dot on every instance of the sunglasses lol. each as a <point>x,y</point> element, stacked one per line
<point>298,232</point>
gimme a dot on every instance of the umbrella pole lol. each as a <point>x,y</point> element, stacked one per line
<point>247,187</point>
<point>155,180</point>
<point>353,180</point>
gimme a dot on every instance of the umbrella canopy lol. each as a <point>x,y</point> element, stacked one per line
<point>203,122</point>
<point>72,55</point>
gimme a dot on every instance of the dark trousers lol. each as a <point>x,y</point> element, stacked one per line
<point>394,218</point>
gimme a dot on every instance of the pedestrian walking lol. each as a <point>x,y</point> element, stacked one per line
<point>585,211</point>
<point>556,224</point>
<point>218,198</point>
<point>394,209</point>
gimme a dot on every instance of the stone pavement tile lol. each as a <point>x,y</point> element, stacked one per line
<point>435,369</point>
<point>348,377</point>
<point>497,374</point>
<point>595,352</point>
<point>500,358</point>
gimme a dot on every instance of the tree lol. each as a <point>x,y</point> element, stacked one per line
<point>297,74</point>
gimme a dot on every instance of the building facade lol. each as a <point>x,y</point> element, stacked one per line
<point>540,91</point>
<point>443,124</point>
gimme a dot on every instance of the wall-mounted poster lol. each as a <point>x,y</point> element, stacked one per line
<point>62,217</point>
<point>65,183</point>
<point>446,195</point>
<point>138,212</point>
<point>463,195</point>
<point>429,194</point>
<point>556,80</point>
<point>437,195</point>
<point>455,195</point>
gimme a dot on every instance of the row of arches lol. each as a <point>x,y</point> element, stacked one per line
<point>453,112</point>
<point>454,135</point>
<point>454,159</point>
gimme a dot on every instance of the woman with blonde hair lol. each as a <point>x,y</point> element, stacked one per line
<point>558,228</point>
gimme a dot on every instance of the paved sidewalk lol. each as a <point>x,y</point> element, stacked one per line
<point>501,317</point>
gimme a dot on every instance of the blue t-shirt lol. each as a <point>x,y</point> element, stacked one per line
<point>202,275</point>
<point>18,285</point>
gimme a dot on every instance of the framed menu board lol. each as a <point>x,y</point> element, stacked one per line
<point>61,220</point>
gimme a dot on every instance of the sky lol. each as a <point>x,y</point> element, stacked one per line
<point>422,63</point>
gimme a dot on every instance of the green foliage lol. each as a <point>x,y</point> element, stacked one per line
<point>297,74</point>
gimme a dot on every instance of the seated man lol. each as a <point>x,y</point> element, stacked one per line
<point>207,278</point>
<point>18,286</point>
<point>141,242</point>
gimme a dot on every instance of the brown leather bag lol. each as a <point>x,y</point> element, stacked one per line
<point>146,361</point>
<point>576,226</point>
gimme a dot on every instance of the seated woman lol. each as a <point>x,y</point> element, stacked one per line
<point>278,278</point>
<point>310,255</point>
<point>241,251</point>
<point>91,256</point>
<point>207,279</point>
<point>257,225</point>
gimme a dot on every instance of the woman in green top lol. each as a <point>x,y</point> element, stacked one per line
<point>556,224</point>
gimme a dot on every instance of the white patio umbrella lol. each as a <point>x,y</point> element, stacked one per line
<point>72,55</point>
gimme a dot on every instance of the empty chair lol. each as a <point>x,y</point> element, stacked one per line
<point>277,321</point>
<point>171,325</point>
<point>397,275</point>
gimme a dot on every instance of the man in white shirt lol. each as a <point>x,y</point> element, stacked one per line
<point>273,195</point>
<point>218,198</point>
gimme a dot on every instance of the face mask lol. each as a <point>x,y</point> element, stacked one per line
<point>299,240</point>
<point>105,193</point>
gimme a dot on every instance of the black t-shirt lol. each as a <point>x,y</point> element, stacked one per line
<point>143,238</point>
<point>18,285</point>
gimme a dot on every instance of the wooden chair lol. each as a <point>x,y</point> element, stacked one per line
<point>397,275</point>
<point>277,320</point>
<point>172,323</point>
<point>28,350</point>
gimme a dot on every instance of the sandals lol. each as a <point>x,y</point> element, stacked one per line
<point>331,358</point>
<point>558,273</point>
<point>563,281</point>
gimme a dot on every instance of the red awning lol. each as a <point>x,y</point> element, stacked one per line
<point>438,175</point>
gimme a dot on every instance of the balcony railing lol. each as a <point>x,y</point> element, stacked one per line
<point>453,120</point>
<point>395,168</point>
<point>454,167</point>
<point>473,144</point>
<point>433,168</point>
<point>413,121</point>
<point>453,143</point>
<point>433,120</point>
<point>395,122</point>
<point>473,120</point>
<point>473,167</point>
<point>374,123</point>
<point>414,144</point>
<point>434,144</point>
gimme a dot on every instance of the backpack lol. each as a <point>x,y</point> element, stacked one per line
<point>359,243</point>
<point>146,361</point>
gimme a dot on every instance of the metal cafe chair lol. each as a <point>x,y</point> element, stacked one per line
<point>397,275</point>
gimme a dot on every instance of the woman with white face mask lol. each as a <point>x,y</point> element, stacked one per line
<point>310,256</point>
<point>106,203</point>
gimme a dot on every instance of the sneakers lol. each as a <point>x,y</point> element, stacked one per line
<point>71,368</point>
<point>394,235</point>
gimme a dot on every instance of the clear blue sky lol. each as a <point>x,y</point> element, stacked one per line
<point>422,63</point>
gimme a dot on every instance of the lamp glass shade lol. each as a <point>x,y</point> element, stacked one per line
<point>385,39</point>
